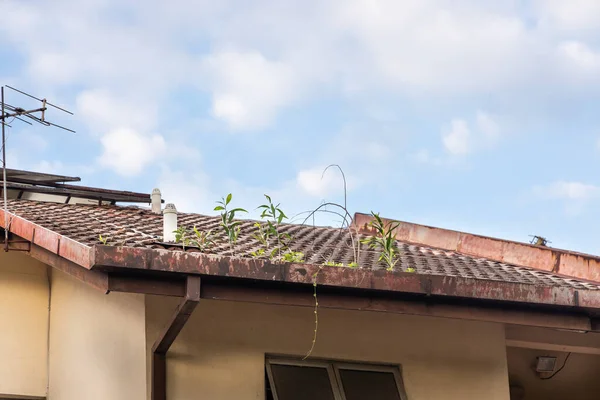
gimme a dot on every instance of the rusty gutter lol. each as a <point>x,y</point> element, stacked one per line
<point>162,344</point>
<point>47,239</point>
<point>111,258</point>
<point>99,262</point>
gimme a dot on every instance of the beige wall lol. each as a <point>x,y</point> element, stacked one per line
<point>23,325</point>
<point>220,353</point>
<point>97,343</point>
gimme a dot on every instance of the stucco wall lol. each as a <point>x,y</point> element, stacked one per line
<point>23,325</point>
<point>220,353</point>
<point>97,343</point>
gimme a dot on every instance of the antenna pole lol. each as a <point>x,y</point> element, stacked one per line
<point>9,111</point>
<point>4,174</point>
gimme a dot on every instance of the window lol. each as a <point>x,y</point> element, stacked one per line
<point>323,380</point>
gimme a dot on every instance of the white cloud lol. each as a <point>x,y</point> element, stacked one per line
<point>102,109</point>
<point>571,15</point>
<point>127,152</point>
<point>575,195</point>
<point>248,89</point>
<point>463,138</point>
<point>424,157</point>
<point>565,190</point>
<point>580,55</point>
<point>456,140</point>
<point>318,184</point>
<point>190,191</point>
<point>60,168</point>
<point>376,151</point>
<point>488,126</point>
<point>196,192</point>
<point>263,57</point>
<point>50,167</point>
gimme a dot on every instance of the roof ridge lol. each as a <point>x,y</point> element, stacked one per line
<point>549,259</point>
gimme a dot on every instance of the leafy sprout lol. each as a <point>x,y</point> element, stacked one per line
<point>333,264</point>
<point>384,241</point>
<point>274,217</point>
<point>203,239</point>
<point>293,256</point>
<point>230,226</point>
<point>181,236</point>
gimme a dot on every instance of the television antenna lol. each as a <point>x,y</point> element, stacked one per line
<point>539,240</point>
<point>29,116</point>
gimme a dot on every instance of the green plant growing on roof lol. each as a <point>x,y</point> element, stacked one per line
<point>274,217</point>
<point>293,256</point>
<point>384,241</point>
<point>259,253</point>
<point>181,236</point>
<point>333,264</point>
<point>106,240</point>
<point>230,226</point>
<point>262,235</point>
<point>270,230</point>
<point>203,240</point>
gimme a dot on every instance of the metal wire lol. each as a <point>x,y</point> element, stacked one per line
<point>33,97</point>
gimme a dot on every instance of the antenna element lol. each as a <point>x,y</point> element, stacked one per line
<point>37,115</point>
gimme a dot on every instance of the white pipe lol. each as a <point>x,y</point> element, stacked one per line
<point>156,201</point>
<point>169,223</point>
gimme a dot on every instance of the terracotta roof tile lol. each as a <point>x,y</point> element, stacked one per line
<point>136,227</point>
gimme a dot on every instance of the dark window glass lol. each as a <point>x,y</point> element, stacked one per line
<point>369,385</point>
<point>301,383</point>
<point>268,390</point>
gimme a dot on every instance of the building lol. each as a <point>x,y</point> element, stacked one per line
<point>98,302</point>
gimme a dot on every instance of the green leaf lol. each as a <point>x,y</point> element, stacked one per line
<point>228,199</point>
<point>235,210</point>
<point>219,208</point>
<point>268,197</point>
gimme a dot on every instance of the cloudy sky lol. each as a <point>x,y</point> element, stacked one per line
<point>462,114</point>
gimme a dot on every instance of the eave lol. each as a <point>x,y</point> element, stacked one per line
<point>160,271</point>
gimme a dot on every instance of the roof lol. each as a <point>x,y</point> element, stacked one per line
<point>540,257</point>
<point>21,176</point>
<point>51,187</point>
<point>140,228</point>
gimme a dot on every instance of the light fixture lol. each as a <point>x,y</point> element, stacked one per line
<point>545,364</point>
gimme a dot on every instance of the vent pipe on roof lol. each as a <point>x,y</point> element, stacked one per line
<point>169,223</point>
<point>156,201</point>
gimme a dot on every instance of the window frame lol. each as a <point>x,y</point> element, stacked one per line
<point>299,363</point>
<point>333,371</point>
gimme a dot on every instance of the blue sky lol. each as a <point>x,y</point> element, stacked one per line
<point>468,115</point>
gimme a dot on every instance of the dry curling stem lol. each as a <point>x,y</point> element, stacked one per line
<point>314,341</point>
